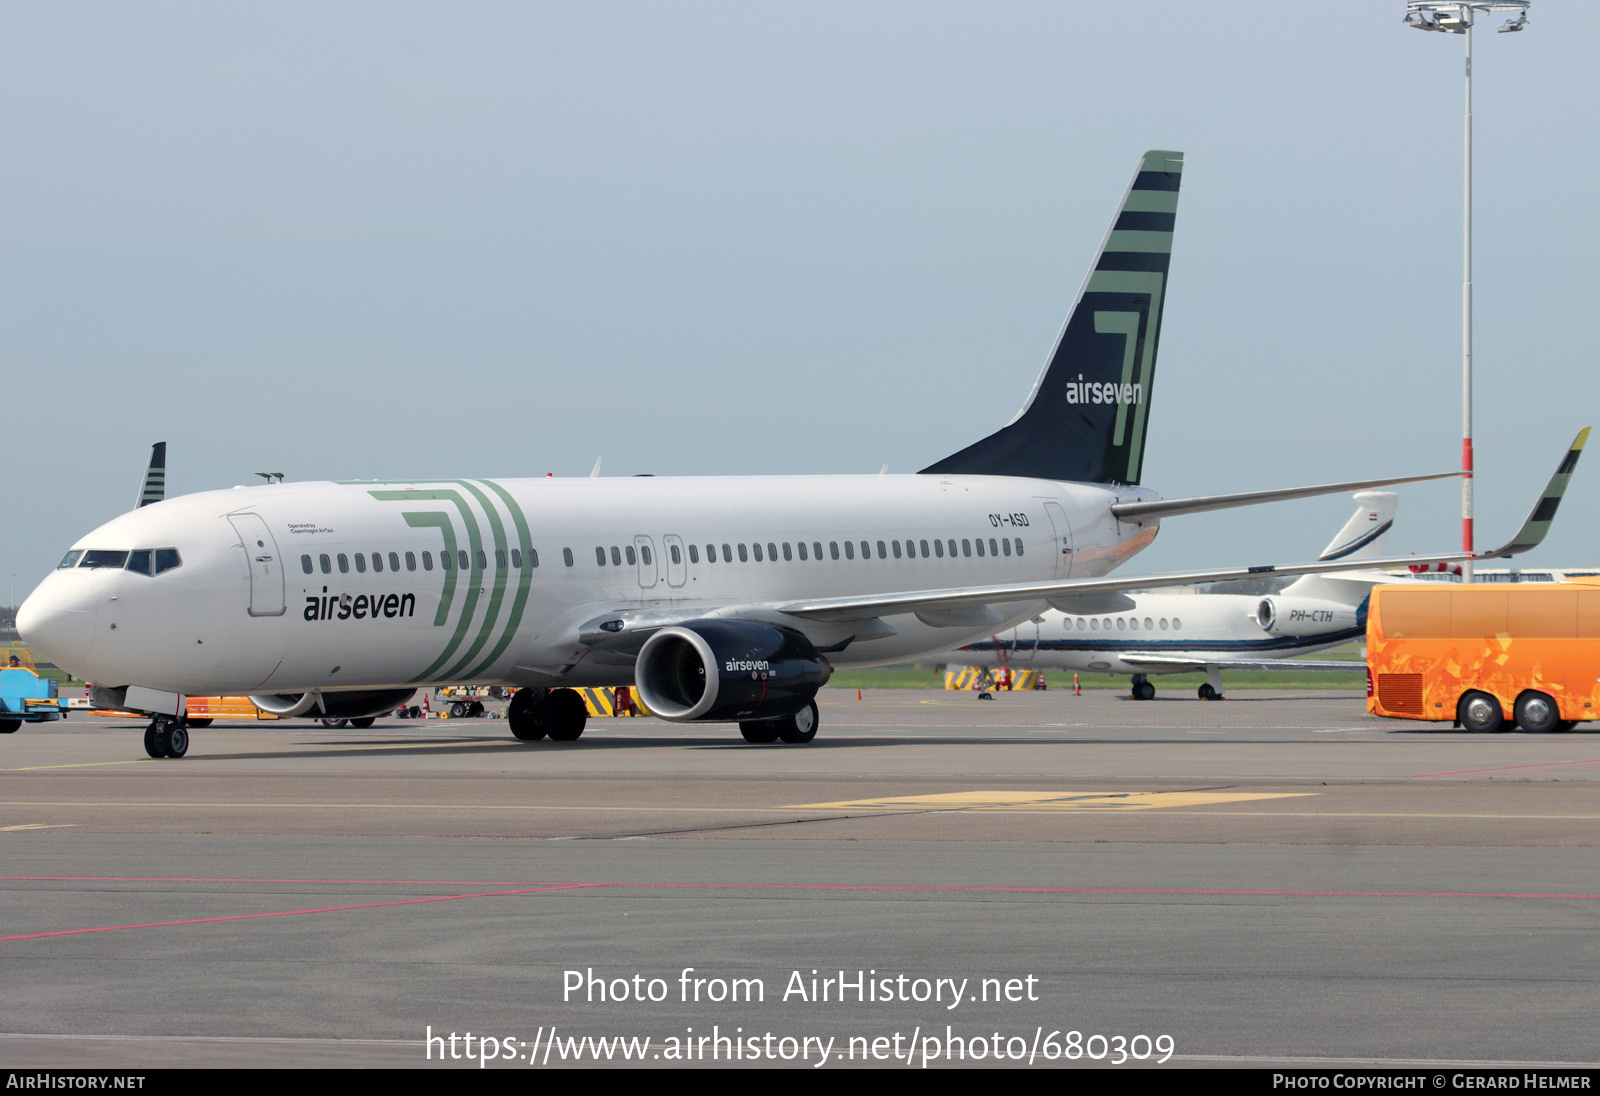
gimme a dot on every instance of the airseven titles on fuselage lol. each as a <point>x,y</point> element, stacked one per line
<point>1082,391</point>
<point>362,606</point>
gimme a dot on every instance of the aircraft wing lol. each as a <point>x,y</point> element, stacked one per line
<point>966,607</point>
<point>1175,662</point>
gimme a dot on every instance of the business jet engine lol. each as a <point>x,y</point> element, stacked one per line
<point>326,705</point>
<point>1300,616</point>
<point>720,670</point>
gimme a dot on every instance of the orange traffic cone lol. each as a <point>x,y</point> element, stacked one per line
<point>1077,690</point>
<point>858,692</point>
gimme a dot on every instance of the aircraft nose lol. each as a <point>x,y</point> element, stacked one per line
<point>57,625</point>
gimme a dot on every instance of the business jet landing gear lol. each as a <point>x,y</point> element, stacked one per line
<point>166,737</point>
<point>1212,689</point>
<point>1142,689</point>
<point>796,729</point>
<point>558,713</point>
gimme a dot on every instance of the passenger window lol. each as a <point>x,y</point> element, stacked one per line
<point>644,553</point>
<point>924,549</point>
<point>139,562</point>
<point>483,560</point>
<point>616,556</point>
<point>1019,545</point>
<point>1163,624</point>
<point>325,563</point>
<point>952,543</point>
<point>994,549</point>
<point>1122,624</point>
<point>394,561</point>
<point>911,549</point>
<point>694,554</point>
<point>1177,625</point>
<point>1094,624</point>
<point>427,561</point>
<point>816,549</point>
<point>757,549</point>
<point>866,552</point>
<point>727,553</point>
<point>533,557</point>
<point>1147,624</point>
<point>833,548</point>
<point>966,547</point>
<point>772,551</point>
<point>500,558</point>
<point>788,555</point>
<point>744,557</point>
<point>444,560</point>
<point>632,559</point>
<point>849,549</point>
<point>566,555</point>
<point>1005,542</point>
<point>377,563</point>
<point>69,560</point>
<point>980,547</point>
<point>802,547</point>
<point>938,548</point>
<point>305,564</point>
<point>344,564</point>
<point>167,559</point>
<point>411,561</point>
<point>516,559</point>
<point>461,559</point>
<point>677,556</point>
<point>600,555</point>
<point>361,564</point>
<point>896,549</point>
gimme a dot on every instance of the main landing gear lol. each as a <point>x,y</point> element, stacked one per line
<point>796,729</point>
<point>166,737</point>
<point>559,714</point>
<point>1141,688</point>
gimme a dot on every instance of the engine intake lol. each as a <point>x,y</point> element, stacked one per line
<point>715,670</point>
<point>319,704</point>
<point>1299,616</point>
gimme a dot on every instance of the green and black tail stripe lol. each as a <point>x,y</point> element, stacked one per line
<point>154,488</point>
<point>1086,418</point>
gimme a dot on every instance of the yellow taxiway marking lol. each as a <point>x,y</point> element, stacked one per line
<point>1055,801</point>
<point>39,826</point>
<point>225,757</point>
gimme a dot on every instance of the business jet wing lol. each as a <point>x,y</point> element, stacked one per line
<point>969,606</point>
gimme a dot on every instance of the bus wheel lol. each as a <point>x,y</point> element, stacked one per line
<point>1537,713</point>
<point>1479,712</point>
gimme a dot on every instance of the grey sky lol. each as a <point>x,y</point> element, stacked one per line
<point>381,240</point>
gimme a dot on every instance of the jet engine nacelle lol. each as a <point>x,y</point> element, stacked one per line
<point>325,705</point>
<point>728,669</point>
<point>1301,616</point>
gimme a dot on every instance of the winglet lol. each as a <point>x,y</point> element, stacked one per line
<point>1533,530</point>
<point>154,488</point>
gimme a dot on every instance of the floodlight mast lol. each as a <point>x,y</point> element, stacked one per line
<point>1456,17</point>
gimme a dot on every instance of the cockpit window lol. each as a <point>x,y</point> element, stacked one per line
<point>139,562</point>
<point>70,559</point>
<point>167,559</point>
<point>100,557</point>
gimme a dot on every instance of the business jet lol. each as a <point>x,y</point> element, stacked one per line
<point>1172,633</point>
<point>719,599</point>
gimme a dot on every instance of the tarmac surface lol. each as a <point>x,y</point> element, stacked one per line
<point>1278,879</point>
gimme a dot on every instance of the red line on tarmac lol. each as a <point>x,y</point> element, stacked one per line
<point>536,888</point>
<point>286,913</point>
<point>1503,768</point>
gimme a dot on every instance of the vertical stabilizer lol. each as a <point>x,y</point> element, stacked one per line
<point>1086,417</point>
<point>1366,534</point>
<point>154,488</point>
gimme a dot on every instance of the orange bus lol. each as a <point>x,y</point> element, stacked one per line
<point>1485,655</point>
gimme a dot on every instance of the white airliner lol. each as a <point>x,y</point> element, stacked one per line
<point>1169,633</point>
<point>719,599</point>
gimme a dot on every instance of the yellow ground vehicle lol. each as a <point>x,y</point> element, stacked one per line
<point>1482,655</point>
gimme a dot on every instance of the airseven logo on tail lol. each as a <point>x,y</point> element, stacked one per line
<point>1081,391</point>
